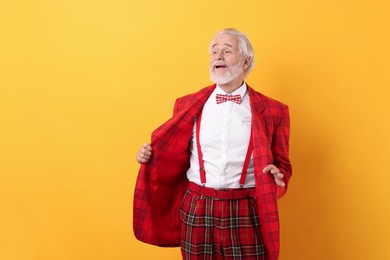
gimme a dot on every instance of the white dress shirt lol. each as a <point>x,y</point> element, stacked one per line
<point>224,139</point>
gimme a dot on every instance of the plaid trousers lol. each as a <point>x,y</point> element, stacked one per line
<point>215,228</point>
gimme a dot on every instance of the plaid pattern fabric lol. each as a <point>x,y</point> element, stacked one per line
<point>220,229</point>
<point>162,182</point>
<point>223,98</point>
<point>271,128</point>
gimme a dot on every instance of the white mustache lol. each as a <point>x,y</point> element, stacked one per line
<point>219,63</point>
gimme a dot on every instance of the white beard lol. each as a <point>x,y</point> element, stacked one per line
<point>228,76</point>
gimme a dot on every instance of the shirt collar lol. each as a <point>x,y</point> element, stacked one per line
<point>240,91</point>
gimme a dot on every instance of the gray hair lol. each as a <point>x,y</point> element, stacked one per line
<point>244,45</point>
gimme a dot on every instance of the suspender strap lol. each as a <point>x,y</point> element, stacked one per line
<point>200,155</point>
<point>246,162</point>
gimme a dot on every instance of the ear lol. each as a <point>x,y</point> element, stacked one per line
<point>247,61</point>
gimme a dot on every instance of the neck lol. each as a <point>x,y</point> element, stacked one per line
<point>231,86</point>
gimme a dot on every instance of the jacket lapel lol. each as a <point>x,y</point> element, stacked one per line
<point>260,141</point>
<point>196,102</point>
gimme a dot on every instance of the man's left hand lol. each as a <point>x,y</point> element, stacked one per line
<point>278,176</point>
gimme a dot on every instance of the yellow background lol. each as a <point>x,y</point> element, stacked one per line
<point>83,84</point>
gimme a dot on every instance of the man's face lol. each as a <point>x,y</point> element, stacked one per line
<point>226,61</point>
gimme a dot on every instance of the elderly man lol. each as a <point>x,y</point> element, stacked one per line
<point>210,179</point>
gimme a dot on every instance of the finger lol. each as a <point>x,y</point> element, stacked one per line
<point>146,150</point>
<point>141,159</point>
<point>269,167</point>
<point>278,179</point>
<point>147,147</point>
<point>280,183</point>
<point>144,153</point>
<point>279,176</point>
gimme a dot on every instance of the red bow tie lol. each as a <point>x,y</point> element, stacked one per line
<point>222,98</point>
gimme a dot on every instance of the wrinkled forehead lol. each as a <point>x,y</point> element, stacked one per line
<point>224,40</point>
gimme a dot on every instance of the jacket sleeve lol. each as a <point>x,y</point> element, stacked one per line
<point>176,107</point>
<point>280,149</point>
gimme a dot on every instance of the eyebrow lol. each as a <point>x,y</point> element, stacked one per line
<point>227,44</point>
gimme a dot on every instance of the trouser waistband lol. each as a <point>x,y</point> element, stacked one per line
<point>223,194</point>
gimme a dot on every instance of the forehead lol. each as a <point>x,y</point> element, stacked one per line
<point>226,40</point>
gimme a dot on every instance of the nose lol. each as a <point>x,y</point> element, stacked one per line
<point>220,56</point>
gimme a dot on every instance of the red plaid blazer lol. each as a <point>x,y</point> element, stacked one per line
<point>162,182</point>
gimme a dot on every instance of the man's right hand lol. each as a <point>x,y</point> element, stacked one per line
<point>144,153</point>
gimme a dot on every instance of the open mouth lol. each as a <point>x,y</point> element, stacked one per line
<point>219,66</point>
